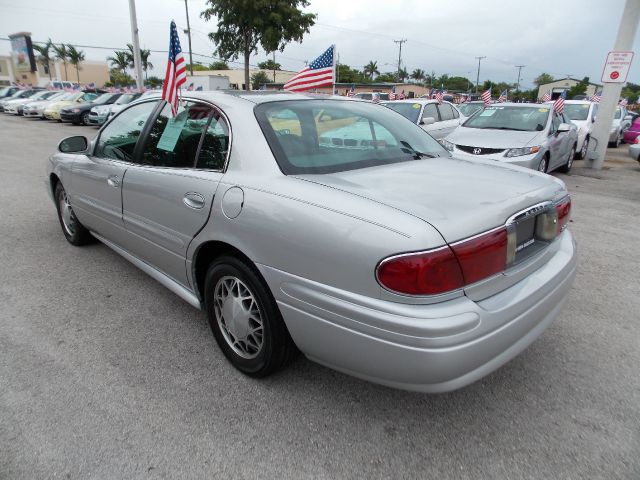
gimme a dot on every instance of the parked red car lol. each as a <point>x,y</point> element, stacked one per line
<point>634,130</point>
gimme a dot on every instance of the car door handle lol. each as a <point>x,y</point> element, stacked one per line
<point>113,181</point>
<point>193,200</point>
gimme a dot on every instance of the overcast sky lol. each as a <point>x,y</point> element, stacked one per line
<point>558,37</point>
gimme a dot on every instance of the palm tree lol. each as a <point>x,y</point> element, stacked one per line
<point>75,57</point>
<point>144,59</point>
<point>403,74</point>
<point>371,69</point>
<point>119,61</point>
<point>44,55</point>
<point>418,74</point>
<point>62,54</point>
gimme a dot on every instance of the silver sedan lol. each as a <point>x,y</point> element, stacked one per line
<point>525,134</point>
<point>330,226</point>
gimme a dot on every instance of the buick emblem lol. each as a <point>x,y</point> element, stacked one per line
<point>477,151</point>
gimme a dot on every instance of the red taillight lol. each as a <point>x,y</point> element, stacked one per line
<point>447,268</point>
<point>563,209</point>
<point>482,256</point>
<point>423,273</point>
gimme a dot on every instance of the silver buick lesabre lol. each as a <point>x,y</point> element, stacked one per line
<point>331,226</point>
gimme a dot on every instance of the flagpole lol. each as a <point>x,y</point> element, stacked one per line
<point>335,70</point>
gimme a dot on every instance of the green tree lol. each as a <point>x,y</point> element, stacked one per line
<point>371,69</point>
<point>346,74</point>
<point>243,25</point>
<point>62,54</point>
<point>418,75</point>
<point>198,67</point>
<point>403,74</point>
<point>542,79</point>
<point>387,77</point>
<point>144,59</point>
<point>631,91</point>
<point>154,82</point>
<point>120,60</point>
<point>269,65</point>
<point>44,55</point>
<point>258,79</point>
<point>219,65</point>
<point>579,88</point>
<point>75,57</point>
<point>118,77</point>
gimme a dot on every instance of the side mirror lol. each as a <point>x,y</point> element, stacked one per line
<point>74,144</point>
<point>428,121</point>
<point>564,127</point>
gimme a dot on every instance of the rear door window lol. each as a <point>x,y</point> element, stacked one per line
<point>445,111</point>
<point>430,110</point>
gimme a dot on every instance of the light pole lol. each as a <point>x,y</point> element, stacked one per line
<point>188,32</point>
<point>137,58</point>
<point>478,76</point>
<point>400,42</point>
<point>519,67</point>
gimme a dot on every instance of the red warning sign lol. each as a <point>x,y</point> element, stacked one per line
<point>616,68</point>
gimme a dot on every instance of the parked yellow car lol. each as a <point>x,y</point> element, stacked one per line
<point>52,112</point>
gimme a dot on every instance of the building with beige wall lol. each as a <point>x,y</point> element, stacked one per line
<point>91,71</point>
<point>236,76</point>
<point>557,86</point>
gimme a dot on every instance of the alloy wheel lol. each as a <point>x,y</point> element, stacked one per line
<point>239,317</point>
<point>66,213</point>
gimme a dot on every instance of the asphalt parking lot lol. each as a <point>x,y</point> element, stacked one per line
<point>105,374</point>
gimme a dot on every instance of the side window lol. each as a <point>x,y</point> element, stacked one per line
<point>445,111</point>
<point>456,113</point>
<point>430,110</point>
<point>595,111</point>
<point>215,144</point>
<point>555,123</point>
<point>173,141</point>
<point>118,139</point>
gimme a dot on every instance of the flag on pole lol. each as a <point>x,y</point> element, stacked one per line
<point>624,102</point>
<point>558,105</point>
<point>319,73</point>
<point>190,87</point>
<point>486,97</point>
<point>439,96</point>
<point>547,96</point>
<point>352,90</point>
<point>392,93</point>
<point>596,97</point>
<point>375,97</point>
<point>176,74</point>
<point>503,97</point>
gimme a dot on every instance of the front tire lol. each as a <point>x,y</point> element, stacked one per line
<point>544,164</point>
<point>84,119</point>
<point>75,233</point>
<point>245,319</point>
<point>567,166</point>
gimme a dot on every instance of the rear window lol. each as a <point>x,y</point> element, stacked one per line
<point>326,136</point>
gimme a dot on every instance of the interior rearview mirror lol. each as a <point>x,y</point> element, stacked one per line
<point>73,144</point>
<point>564,127</point>
<point>427,121</point>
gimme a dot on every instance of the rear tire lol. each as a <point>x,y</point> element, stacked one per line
<point>583,151</point>
<point>245,319</point>
<point>73,230</point>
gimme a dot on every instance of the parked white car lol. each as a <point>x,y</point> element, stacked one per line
<point>439,119</point>
<point>582,114</point>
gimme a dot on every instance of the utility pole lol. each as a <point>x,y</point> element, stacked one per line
<point>137,58</point>
<point>399,42</point>
<point>188,32</point>
<point>519,67</point>
<point>274,66</point>
<point>611,91</point>
<point>478,76</point>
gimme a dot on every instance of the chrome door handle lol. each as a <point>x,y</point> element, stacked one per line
<point>113,181</point>
<point>193,200</point>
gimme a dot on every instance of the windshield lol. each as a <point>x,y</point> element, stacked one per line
<point>41,95</point>
<point>407,110</point>
<point>102,98</point>
<point>326,136</point>
<point>529,119</point>
<point>468,109</point>
<point>4,91</point>
<point>576,111</point>
<point>126,98</point>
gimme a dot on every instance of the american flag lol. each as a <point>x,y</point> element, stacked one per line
<point>376,97</point>
<point>401,95</point>
<point>463,99</point>
<point>624,102</point>
<point>318,73</point>
<point>596,97</point>
<point>392,93</point>
<point>176,74</point>
<point>352,90</point>
<point>547,96</point>
<point>486,97</point>
<point>503,97</point>
<point>439,96</point>
<point>558,105</point>
<point>190,87</point>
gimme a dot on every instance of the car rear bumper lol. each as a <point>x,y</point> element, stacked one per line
<point>427,348</point>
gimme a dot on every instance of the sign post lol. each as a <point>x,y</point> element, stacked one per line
<point>614,74</point>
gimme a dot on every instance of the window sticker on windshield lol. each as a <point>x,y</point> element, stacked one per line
<point>416,105</point>
<point>543,110</point>
<point>171,133</point>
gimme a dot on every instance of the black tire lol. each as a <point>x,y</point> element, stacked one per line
<point>583,150</point>
<point>544,164</point>
<point>276,348</point>
<point>84,118</point>
<point>617,142</point>
<point>567,166</point>
<point>74,231</point>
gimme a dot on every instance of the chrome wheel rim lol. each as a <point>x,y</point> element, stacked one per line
<point>67,215</point>
<point>239,317</point>
<point>572,154</point>
<point>543,165</point>
<point>583,152</point>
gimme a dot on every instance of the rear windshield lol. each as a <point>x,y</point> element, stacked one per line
<point>528,119</point>
<point>468,109</point>
<point>326,136</point>
<point>576,111</point>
